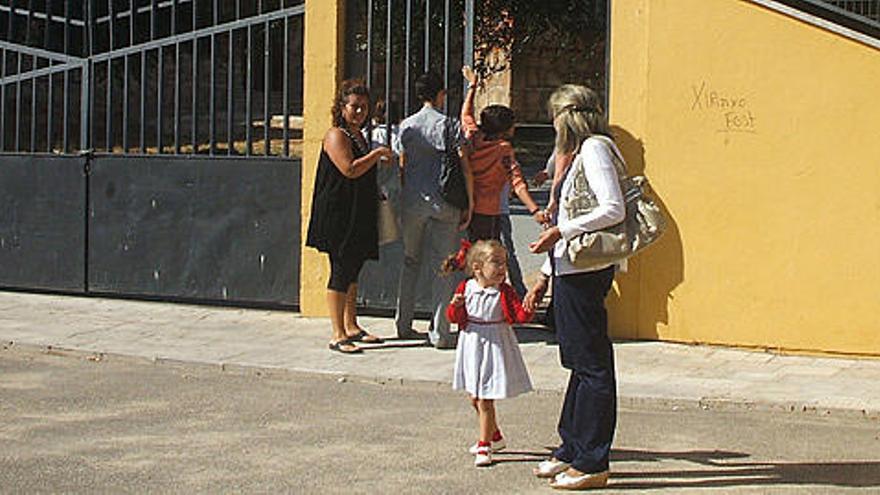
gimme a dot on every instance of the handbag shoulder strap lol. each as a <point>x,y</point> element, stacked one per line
<point>619,162</point>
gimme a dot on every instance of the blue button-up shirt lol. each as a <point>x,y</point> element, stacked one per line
<point>422,140</point>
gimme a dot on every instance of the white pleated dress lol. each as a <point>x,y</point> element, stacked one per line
<point>488,362</point>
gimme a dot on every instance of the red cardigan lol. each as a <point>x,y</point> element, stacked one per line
<point>511,306</point>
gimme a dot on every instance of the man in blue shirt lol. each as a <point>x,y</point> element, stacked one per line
<point>425,215</point>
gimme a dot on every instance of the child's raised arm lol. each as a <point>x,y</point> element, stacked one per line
<point>468,120</point>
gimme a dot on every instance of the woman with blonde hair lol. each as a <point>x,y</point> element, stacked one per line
<point>587,421</point>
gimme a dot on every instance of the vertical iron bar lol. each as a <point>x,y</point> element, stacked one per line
<point>211,102</point>
<point>173,17</point>
<point>112,23</point>
<point>18,108</point>
<point>48,29</point>
<point>370,44</point>
<point>195,82</point>
<point>125,105</point>
<point>427,35</point>
<point>65,109</point>
<point>285,56</point>
<point>3,97</point>
<point>109,116</point>
<point>469,15</point>
<point>160,87</point>
<point>34,112</point>
<point>249,87</point>
<point>230,104</point>
<point>267,119</point>
<point>407,61</point>
<point>388,72</point>
<point>446,18</point>
<point>143,123</point>
<point>50,106</point>
<point>30,20</point>
<point>216,13</point>
<point>67,15</point>
<point>177,98</point>
<point>131,13</point>
<point>87,95</point>
<point>154,14</point>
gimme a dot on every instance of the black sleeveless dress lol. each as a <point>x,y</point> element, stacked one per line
<point>344,217</point>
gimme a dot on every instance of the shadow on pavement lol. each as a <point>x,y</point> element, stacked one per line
<point>724,473</point>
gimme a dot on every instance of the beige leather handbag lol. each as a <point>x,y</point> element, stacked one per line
<point>643,224</point>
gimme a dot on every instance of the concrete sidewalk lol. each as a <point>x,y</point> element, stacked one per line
<point>663,374</point>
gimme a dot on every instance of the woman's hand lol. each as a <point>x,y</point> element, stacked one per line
<point>546,240</point>
<point>470,76</point>
<point>541,217</point>
<point>535,295</point>
<point>383,154</point>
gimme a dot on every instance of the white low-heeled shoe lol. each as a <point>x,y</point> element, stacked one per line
<point>550,468</point>
<point>565,481</point>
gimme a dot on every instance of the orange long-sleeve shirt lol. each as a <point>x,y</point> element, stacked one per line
<point>492,162</point>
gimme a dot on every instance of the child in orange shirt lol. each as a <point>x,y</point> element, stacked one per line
<point>493,163</point>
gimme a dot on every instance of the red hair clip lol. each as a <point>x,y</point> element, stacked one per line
<point>461,255</point>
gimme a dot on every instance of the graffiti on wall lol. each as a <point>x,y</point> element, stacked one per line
<point>730,111</point>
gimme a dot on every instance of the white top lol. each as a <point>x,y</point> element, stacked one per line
<point>597,161</point>
<point>483,304</point>
<point>488,362</point>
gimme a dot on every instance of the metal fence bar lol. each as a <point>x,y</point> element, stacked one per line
<point>2,100</point>
<point>50,105</point>
<point>267,62</point>
<point>18,107</point>
<point>33,147</point>
<point>170,40</point>
<point>39,52</point>
<point>177,98</point>
<point>108,105</point>
<point>39,73</point>
<point>370,44</point>
<point>195,91</point>
<point>407,106</point>
<point>446,33</point>
<point>388,71</point>
<point>65,148</point>
<point>249,87</point>
<point>160,90</point>
<point>286,137</point>
<point>212,128</point>
<point>427,35</point>
<point>125,105</point>
<point>230,104</point>
<point>143,120</point>
<point>469,16</point>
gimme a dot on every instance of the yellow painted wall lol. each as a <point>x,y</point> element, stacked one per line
<point>324,49</point>
<point>761,135</point>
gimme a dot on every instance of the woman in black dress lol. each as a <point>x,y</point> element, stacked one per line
<point>344,210</point>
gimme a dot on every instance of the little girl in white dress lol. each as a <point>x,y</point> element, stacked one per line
<point>488,362</point>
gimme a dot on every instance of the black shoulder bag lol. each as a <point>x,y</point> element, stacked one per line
<point>452,183</point>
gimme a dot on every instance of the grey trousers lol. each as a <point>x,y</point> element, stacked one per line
<point>429,235</point>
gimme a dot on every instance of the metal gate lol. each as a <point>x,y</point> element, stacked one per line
<point>152,148</point>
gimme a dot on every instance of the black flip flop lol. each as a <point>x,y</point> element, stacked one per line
<point>360,336</point>
<point>340,347</point>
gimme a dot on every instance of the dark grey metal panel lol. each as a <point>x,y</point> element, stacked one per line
<point>42,222</point>
<point>211,229</point>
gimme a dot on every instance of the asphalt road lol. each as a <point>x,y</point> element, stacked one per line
<point>76,423</point>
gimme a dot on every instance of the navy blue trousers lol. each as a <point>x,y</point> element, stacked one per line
<point>589,413</point>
